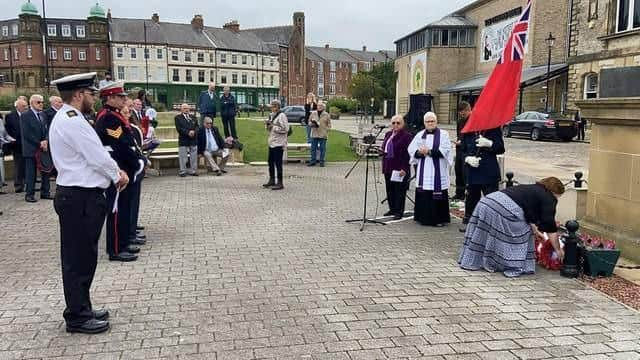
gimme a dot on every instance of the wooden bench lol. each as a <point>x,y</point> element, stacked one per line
<point>298,152</point>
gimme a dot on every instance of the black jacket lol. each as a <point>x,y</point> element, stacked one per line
<point>538,204</point>
<point>489,170</point>
<point>183,126</point>
<point>12,124</point>
<point>202,139</point>
<point>228,106</point>
<point>114,133</point>
<point>33,131</point>
<point>50,113</point>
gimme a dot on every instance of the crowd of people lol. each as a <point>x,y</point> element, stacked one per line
<point>499,228</point>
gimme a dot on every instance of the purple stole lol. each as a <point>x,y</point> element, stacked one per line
<point>437,182</point>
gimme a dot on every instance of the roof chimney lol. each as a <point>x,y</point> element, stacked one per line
<point>232,26</point>
<point>155,18</point>
<point>364,48</point>
<point>326,46</point>
<point>109,15</point>
<point>197,22</point>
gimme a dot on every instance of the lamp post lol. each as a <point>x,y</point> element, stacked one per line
<point>550,41</point>
<point>373,114</point>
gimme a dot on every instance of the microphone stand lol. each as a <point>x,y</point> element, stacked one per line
<point>366,184</point>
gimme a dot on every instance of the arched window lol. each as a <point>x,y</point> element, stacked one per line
<point>591,86</point>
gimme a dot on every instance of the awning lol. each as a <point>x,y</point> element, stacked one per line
<point>530,76</point>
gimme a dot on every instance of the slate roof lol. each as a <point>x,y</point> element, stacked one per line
<point>273,34</point>
<point>332,54</point>
<point>8,24</point>
<point>132,31</point>
<point>452,21</point>
<point>370,55</point>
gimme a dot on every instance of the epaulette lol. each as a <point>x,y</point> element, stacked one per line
<point>72,113</point>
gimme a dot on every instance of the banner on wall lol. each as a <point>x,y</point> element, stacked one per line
<point>419,73</point>
<point>493,38</point>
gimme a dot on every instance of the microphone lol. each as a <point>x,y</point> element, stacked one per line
<point>380,126</point>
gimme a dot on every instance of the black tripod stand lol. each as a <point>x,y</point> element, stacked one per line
<point>371,140</point>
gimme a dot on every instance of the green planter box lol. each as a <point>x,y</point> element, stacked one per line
<point>600,262</point>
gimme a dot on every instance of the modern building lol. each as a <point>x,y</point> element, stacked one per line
<point>450,60</point>
<point>330,70</point>
<point>73,46</point>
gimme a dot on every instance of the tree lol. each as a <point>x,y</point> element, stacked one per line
<point>385,75</point>
<point>363,87</point>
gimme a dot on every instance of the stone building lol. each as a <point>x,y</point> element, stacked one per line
<point>604,84</point>
<point>330,70</point>
<point>450,59</point>
<point>73,46</point>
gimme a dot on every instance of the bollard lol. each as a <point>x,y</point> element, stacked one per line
<point>509,182</point>
<point>577,183</point>
<point>570,261</point>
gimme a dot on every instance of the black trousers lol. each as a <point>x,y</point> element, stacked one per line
<point>81,212</point>
<point>396,193</point>
<point>18,170</point>
<point>134,205</point>
<point>229,124</point>
<point>581,132</point>
<point>30,171</point>
<point>474,193</point>
<point>275,162</point>
<point>459,170</point>
<point>118,223</point>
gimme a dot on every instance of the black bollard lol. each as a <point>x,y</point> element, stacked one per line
<point>509,182</point>
<point>570,262</point>
<point>577,183</point>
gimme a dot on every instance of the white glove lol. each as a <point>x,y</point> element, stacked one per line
<point>473,161</point>
<point>483,142</point>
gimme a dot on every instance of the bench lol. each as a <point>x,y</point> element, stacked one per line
<point>297,152</point>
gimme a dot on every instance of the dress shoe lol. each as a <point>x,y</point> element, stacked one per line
<point>91,326</point>
<point>311,164</point>
<point>218,173</point>
<point>397,217</point>
<point>46,197</point>
<point>388,213</point>
<point>133,249</point>
<point>139,227</point>
<point>124,257</point>
<point>137,241</point>
<point>277,187</point>
<point>182,175</point>
<point>140,235</point>
<point>19,190</point>
<point>102,314</point>
<point>224,171</point>
<point>194,174</point>
<point>321,164</point>
<point>269,184</point>
<point>30,198</point>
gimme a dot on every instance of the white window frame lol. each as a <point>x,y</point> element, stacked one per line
<point>204,76</point>
<point>188,57</point>
<point>175,55</point>
<point>82,55</point>
<point>320,90</point>
<point>29,51</point>
<point>175,73</point>
<point>223,78</point>
<point>332,66</point>
<point>81,31</point>
<point>234,78</point>
<point>272,62</point>
<point>14,29</point>
<point>159,54</point>
<point>332,77</point>
<point>53,54</point>
<point>65,52</point>
<point>66,30</point>
<point>98,54</point>
<point>134,73</point>
<point>587,90</point>
<point>629,26</point>
<point>188,74</point>
<point>6,54</point>
<point>51,30</point>
<point>244,79</point>
<point>354,68</point>
<point>212,76</point>
<point>223,58</point>
<point>200,54</point>
<point>119,53</point>
<point>120,72</point>
<point>332,89</point>
<point>244,60</point>
<point>272,80</point>
<point>253,63</point>
<point>146,53</point>
<point>133,53</point>
<point>5,31</point>
<point>234,59</point>
<point>212,58</point>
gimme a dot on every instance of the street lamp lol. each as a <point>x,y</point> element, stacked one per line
<point>550,41</point>
<point>372,112</point>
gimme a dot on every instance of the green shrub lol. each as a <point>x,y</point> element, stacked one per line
<point>160,107</point>
<point>344,105</point>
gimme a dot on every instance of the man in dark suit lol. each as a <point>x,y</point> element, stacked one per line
<point>13,129</point>
<point>56,103</point>
<point>136,112</point>
<point>34,132</point>
<point>207,103</point>
<point>186,126</point>
<point>211,146</point>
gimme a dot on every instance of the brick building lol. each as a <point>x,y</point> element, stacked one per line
<point>451,59</point>
<point>330,70</point>
<point>73,46</point>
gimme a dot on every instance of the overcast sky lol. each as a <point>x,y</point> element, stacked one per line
<point>340,23</point>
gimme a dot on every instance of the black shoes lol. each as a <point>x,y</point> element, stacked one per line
<point>397,217</point>
<point>133,249</point>
<point>218,173</point>
<point>19,190</point>
<point>311,164</point>
<point>194,174</point>
<point>137,241</point>
<point>102,314</point>
<point>223,171</point>
<point>124,257</point>
<point>388,213</point>
<point>182,175</point>
<point>91,326</point>
<point>46,197</point>
<point>321,164</point>
<point>140,235</point>
<point>279,186</point>
<point>139,227</point>
<point>30,199</point>
<point>269,184</point>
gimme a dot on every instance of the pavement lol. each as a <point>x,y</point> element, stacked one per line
<point>234,271</point>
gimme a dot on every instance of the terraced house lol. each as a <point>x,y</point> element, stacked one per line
<point>175,62</point>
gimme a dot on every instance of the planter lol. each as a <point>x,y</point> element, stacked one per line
<point>599,262</point>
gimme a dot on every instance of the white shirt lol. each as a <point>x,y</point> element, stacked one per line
<point>78,154</point>
<point>212,145</point>
<point>429,170</point>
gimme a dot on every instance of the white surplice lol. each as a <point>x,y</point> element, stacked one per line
<point>428,171</point>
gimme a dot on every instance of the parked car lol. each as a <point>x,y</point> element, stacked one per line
<point>247,108</point>
<point>295,113</point>
<point>537,126</point>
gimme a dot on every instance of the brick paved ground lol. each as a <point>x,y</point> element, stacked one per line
<point>233,271</point>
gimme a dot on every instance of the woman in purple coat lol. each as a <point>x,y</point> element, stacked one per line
<point>396,162</point>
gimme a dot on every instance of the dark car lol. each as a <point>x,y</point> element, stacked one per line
<point>536,126</point>
<point>295,113</point>
<point>247,108</point>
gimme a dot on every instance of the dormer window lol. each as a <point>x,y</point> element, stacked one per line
<point>66,30</point>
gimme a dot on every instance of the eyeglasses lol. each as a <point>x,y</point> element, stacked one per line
<point>431,121</point>
<point>39,102</point>
<point>395,123</point>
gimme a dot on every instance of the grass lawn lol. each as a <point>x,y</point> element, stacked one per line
<point>254,137</point>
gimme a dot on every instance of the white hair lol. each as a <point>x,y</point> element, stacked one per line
<point>430,114</point>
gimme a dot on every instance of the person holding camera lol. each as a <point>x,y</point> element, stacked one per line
<point>278,128</point>
<point>320,123</point>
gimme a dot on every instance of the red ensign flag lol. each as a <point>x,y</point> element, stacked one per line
<point>497,100</point>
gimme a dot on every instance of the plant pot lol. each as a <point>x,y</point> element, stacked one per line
<point>600,262</point>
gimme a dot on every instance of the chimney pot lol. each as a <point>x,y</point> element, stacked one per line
<point>197,22</point>
<point>326,46</point>
<point>233,26</point>
<point>155,18</point>
<point>364,48</point>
